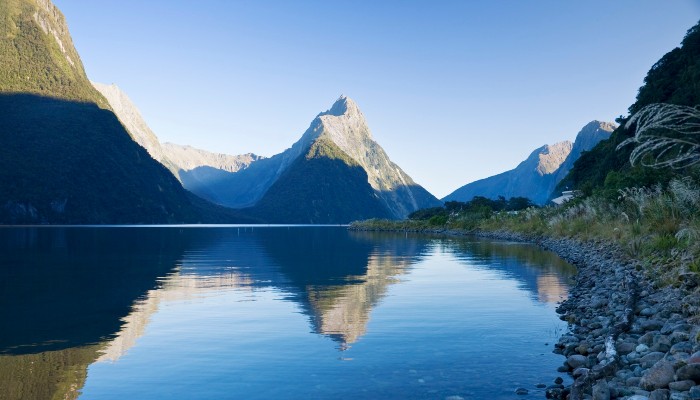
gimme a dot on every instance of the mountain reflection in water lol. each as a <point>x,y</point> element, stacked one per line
<point>74,296</point>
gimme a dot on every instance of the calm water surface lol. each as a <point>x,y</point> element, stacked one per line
<point>275,312</point>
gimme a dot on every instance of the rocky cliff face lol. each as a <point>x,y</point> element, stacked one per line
<point>131,118</point>
<point>591,134</point>
<point>536,177</point>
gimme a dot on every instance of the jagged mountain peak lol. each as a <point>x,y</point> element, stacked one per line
<point>549,157</point>
<point>593,133</point>
<point>595,124</point>
<point>344,106</point>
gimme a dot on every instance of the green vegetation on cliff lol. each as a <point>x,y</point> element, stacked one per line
<point>38,55</point>
<point>674,79</point>
<point>324,186</point>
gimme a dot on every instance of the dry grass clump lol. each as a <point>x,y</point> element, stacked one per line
<point>659,226</point>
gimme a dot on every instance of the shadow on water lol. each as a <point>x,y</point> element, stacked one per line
<point>64,287</point>
<point>63,292</point>
<point>73,296</point>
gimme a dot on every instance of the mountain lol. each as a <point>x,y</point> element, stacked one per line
<point>38,56</point>
<point>323,186</point>
<point>131,118</point>
<point>64,155</point>
<point>335,173</point>
<point>674,80</point>
<point>593,133</point>
<point>177,158</point>
<point>536,177</point>
<point>338,137</point>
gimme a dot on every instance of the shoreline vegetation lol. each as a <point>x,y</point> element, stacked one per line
<point>635,306</point>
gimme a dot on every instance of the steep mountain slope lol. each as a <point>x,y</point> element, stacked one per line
<point>673,79</point>
<point>537,176</point>
<point>345,127</point>
<point>177,158</point>
<point>64,157</point>
<point>533,178</point>
<point>131,118</point>
<point>38,56</point>
<point>593,133</point>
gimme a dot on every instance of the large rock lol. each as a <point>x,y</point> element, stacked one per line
<point>660,394</point>
<point>601,391</point>
<point>690,371</point>
<point>658,376</point>
<point>650,359</point>
<point>576,361</point>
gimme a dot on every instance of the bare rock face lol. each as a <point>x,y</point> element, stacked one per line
<point>593,133</point>
<point>537,176</point>
<point>187,158</point>
<point>131,118</point>
<point>179,159</point>
<point>345,125</point>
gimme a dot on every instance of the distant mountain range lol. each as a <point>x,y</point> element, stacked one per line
<point>537,177</point>
<point>195,168</point>
<point>76,152</point>
<point>334,173</point>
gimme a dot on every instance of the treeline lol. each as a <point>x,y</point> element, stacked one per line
<point>471,211</point>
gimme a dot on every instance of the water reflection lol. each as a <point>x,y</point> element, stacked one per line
<point>74,296</point>
<point>542,273</point>
<point>63,293</point>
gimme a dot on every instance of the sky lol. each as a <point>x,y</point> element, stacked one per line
<point>454,91</point>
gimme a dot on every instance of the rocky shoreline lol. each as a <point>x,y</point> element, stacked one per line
<point>629,338</point>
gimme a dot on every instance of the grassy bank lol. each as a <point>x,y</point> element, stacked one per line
<point>659,226</point>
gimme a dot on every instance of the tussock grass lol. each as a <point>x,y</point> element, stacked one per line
<point>659,226</point>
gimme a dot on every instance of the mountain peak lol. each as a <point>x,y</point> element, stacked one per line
<point>595,124</point>
<point>549,158</point>
<point>591,134</point>
<point>343,106</point>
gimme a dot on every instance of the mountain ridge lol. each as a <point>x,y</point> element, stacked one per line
<point>177,158</point>
<point>538,175</point>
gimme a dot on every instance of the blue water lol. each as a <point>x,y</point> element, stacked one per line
<point>273,312</point>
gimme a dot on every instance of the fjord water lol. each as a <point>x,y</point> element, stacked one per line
<point>233,312</point>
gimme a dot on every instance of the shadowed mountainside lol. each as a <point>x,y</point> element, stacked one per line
<point>64,156</point>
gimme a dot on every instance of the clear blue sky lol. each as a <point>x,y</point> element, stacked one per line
<point>453,90</point>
